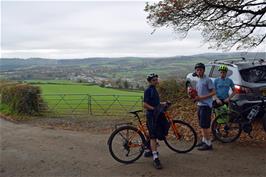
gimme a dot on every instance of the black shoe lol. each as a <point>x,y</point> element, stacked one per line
<point>147,154</point>
<point>205,147</point>
<point>200,144</point>
<point>157,163</point>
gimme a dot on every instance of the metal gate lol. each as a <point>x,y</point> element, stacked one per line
<point>63,105</point>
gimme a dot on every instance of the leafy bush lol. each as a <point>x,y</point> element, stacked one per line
<point>5,109</point>
<point>21,98</point>
<point>168,90</point>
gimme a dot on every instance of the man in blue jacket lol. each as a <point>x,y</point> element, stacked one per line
<point>151,103</point>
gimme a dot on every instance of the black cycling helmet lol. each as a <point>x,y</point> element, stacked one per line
<point>151,76</point>
<point>200,65</point>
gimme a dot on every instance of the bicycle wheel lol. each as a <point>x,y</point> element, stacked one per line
<point>181,137</point>
<point>126,144</point>
<point>226,128</point>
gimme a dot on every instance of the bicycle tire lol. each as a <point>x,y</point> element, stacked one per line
<point>186,140</point>
<point>126,144</point>
<point>264,122</point>
<point>228,131</point>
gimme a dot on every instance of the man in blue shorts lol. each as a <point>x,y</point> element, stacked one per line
<point>222,86</point>
<point>151,103</point>
<point>205,89</point>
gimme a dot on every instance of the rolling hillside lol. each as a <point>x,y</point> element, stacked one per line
<point>109,71</point>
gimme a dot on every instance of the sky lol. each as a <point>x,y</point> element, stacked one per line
<point>83,29</point>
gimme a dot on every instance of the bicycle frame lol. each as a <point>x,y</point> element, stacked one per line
<point>144,131</point>
<point>172,125</point>
<point>141,129</point>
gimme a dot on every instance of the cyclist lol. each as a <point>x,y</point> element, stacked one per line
<point>151,103</point>
<point>222,86</point>
<point>205,90</point>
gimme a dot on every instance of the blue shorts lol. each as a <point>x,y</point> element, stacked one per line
<point>204,115</point>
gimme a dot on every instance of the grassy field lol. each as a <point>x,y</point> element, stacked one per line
<point>72,99</point>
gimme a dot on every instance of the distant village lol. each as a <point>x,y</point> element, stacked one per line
<point>126,83</point>
<point>75,74</point>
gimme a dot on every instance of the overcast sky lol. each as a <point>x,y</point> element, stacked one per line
<point>65,29</point>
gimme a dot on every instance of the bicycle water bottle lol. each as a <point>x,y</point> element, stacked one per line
<point>254,111</point>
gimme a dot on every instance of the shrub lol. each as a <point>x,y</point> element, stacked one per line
<point>168,90</point>
<point>21,98</point>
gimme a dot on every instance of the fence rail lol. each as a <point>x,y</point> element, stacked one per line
<point>59,105</point>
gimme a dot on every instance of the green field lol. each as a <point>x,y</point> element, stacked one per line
<point>66,98</point>
<point>82,89</point>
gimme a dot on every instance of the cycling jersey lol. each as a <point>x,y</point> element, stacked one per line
<point>204,86</point>
<point>151,96</point>
<point>222,87</point>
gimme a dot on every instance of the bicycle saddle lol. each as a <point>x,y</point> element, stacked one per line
<point>135,112</point>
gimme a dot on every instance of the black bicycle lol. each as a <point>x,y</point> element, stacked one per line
<point>228,126</point>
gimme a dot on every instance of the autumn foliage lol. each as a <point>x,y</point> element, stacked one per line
<point>184,108</point>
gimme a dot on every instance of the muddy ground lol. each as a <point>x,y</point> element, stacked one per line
<point>38,150</point>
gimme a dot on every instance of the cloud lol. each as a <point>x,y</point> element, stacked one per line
<point>87,29</point>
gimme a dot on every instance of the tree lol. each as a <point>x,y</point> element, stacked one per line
<point>102,84</point>
<point>126,84</point>
<point>223,23</point>
<point>119,82</point>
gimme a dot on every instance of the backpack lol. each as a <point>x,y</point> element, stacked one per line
<point>162,125</point>
<point>221,112</point>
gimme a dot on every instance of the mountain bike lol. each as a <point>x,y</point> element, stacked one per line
<point>128,142</point>
<point>228,126</point>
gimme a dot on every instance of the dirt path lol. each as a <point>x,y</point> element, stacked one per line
<point>28,150</point>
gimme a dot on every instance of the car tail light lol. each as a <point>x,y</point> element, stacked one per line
<point>242,90</point>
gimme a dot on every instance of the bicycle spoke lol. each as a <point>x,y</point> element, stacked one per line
<point>131,154</point>
<point>122,136</point>
<point>126,144</point>
<point>226,132</point>
<point>181,138</point>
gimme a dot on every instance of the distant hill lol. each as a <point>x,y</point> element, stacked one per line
<point>7,64</point>
<point>118,72</point>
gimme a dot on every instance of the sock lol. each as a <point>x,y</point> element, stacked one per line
<point>155,155</point>
<point>203,139</point>
<point>147,150</point>
<point>208,142</point>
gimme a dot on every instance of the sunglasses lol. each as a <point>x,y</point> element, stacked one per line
<point>155,79</point>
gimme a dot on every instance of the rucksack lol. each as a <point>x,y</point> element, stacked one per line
<point>162,125</point>
<point>222,113</point>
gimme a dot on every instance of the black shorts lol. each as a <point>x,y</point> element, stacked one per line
<point>204,115</point>
<point>151,124</point>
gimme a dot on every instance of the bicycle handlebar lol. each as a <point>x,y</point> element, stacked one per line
<point>261,98</point>
<point>167,105</point>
